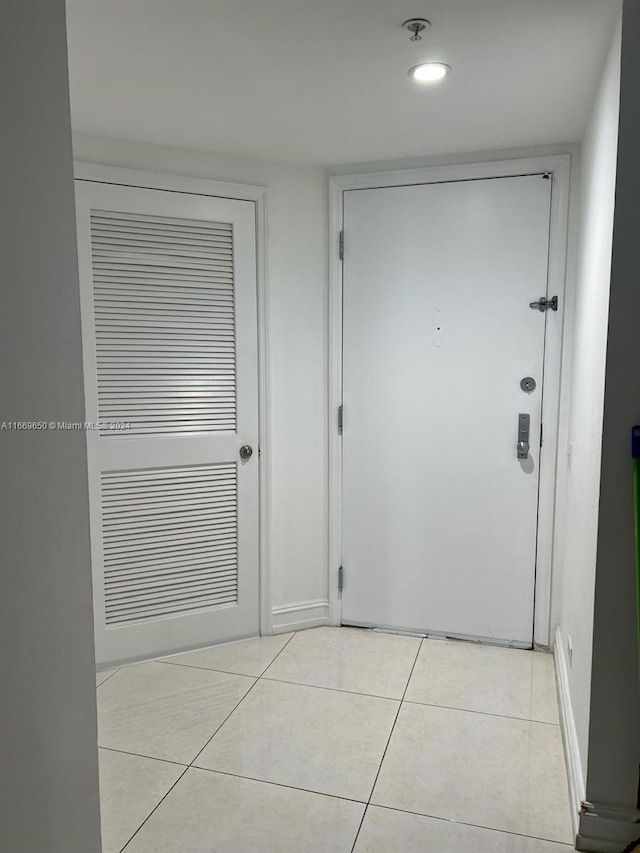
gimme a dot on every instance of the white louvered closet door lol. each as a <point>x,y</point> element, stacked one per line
<point>168,285</point>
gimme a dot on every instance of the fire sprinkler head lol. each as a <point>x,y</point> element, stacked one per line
<point>416,26</point>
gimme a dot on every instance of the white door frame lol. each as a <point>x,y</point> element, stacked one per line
<point>244,192</point>
<point>556,165</point>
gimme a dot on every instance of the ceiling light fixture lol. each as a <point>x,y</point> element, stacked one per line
<point>429,72</point>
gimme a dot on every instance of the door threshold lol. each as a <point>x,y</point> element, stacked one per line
<point>401,633</point>
<point>444,636</point>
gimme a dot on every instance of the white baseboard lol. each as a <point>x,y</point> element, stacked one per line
<point>575,773</point>
<point>598,828</point>
<point>607,830</point>
<point>297,617</point>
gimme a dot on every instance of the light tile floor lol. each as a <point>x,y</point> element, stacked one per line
<point>334,740</point>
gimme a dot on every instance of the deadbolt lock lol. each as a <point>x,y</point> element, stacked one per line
<point>528,384</point>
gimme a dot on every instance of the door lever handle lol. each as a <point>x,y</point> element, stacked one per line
<point>522,447</point>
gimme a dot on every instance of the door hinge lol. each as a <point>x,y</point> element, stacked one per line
<point>541,434</point>
<point>340,419</point>
<point>340,579</point>
<point>341,245</point>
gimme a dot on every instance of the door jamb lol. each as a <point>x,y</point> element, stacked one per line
<point>84,171</point>
<point>558,166</point>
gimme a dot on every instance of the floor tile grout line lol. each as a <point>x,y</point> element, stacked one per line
<point>207,669</point>
<point>415,660</point>
<point>351,692</point>
<point>154,809</point>
<point>404,701</point>
<point>364,814</point>
<point>180,763</point>
<point>271,662</point>
<point>278,784</point>
<point>333,689</point>
<point>395,720</point>
<point>193,765</point>
<point>483,713</point>
<point>225,671</point>
<point>360,693</point>
<point>200,751</point>
<point>332,796</point>
<point>335,797</point>
<point>140,755</point>
<point>111,674</point>
<point>235,707</point>
<point>411,701</point>
<point>190,765</point>
<point>473,825</point>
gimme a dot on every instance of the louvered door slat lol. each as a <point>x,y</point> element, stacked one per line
<point>166,591</point>
<point>176,572</point>
<point>124,539</point>
<point>141,575</point>
<point>159,612</point>
<point>105,232</point>
<point>148,345</point>
<point>221,557</point>
<point>131,284</point>
<point>144,546</point>
<point>219,307</point>
<point>222,561</point>
<point>172,581</point>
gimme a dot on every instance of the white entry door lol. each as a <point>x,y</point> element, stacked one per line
<point>439,513</point>
<point>168,285</point>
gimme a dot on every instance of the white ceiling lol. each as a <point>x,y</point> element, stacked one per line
<point>324,81</point>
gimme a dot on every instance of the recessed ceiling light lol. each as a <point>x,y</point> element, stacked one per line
<point>429,72</point>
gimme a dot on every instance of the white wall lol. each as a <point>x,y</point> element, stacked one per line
<point>614,730</point>
<point>586,396</point>
<point>48,754</point>
<point>297,285</point>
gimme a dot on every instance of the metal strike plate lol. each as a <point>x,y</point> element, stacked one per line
<point>524,424</point>
<point>528,384</point>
